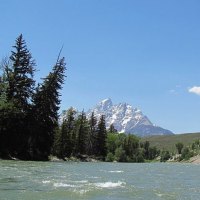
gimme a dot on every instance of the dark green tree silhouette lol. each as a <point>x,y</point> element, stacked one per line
<point>112,129</point>
<point>68,133</point>
<point>82,129</point>
<point>16,90</point>
<point>20,76</point>
<point>46,106</point>
<point>131,144</point>
<point>101,137</point>
<point>92,135</point>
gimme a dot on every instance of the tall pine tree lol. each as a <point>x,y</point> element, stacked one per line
<point>20,75</point>
<point>46,106</point>
<point>18,87</point>
<point>92,135</point>
<point>82,133</point>
<point>64,143</point>
<point>101,137</point>
<point>28,115</point>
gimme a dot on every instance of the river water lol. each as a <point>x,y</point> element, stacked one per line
<point>98,181</point>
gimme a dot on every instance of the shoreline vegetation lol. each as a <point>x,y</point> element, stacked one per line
<point>194,160</point>
<point>85,158</point>
<point>30,128</point>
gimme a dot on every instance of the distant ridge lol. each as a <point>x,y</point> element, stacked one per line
<point>126,119</point>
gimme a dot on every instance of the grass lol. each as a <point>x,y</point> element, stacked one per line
<point>167,142</point>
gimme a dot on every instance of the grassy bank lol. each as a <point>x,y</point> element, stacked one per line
<point>167,142</point>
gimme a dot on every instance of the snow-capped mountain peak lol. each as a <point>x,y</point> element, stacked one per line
<point>126,118</point>
<point>105,104</point>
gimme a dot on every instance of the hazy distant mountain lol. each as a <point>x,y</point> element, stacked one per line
<point>127,119</point>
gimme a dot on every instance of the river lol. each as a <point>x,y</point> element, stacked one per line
<point>21,180</point>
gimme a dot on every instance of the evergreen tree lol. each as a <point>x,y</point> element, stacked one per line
<point>3,82</point>
<point>82,133</point>
<point>101,137</point>
<point>17,86</point>
<point>68,133</point>
<point>10,124</point>
<point>112,129</point>
<point>120,155</point>
<point>92,135</point>
<point>28,116</point>
<point>20,75</point>
<point>131,144</point>
<point>46,106</point>
<point>57,145</point>
<point>146,149</point>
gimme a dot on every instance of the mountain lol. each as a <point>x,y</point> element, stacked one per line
<point>126,119</point>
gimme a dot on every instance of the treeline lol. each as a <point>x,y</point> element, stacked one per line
<point>28,112</point>
<point>183,153</point>
<point>186,152</point>
<point>78,136</point>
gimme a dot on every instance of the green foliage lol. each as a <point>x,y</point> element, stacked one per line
<point>92,136</point>
<point>111,142</point>
<point>66,137</point>
<point>153,153</point>
<point>110,157</point>
<point>165,155</point>
<point>10,118</point>
<point>28,115</point>
<point>82,128</point>
<point>112,129</point>
<point>46,106</point>
<point>120,155</point>
<point>168,142</point>
<point>186,154</point>
<point>179,147</point>
<point>146,146</point>
<point>101,137</point>
<point>187,145</point>
<point>130,146</point>
<point>196,145</point>
<point>139,158</point>
<point>20,75</point>
<point>57,146</point>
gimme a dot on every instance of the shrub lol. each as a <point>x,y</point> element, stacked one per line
<point>186,154</point>
<point>120,155</point>
<point>165,155</point>
<point>110,157</point>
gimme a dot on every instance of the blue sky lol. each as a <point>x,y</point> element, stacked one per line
<point>145,53</point>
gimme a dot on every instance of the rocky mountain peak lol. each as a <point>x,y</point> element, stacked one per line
<point>126,118</point>
<point>105,104</point>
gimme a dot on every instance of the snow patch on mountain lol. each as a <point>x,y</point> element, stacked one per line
<point>126,119</point>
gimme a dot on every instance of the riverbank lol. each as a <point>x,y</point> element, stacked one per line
<point>195,159</point>
<point>82,158</point>
<point>85,158</point>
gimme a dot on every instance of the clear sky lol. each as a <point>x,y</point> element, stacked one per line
<point>143,52</point>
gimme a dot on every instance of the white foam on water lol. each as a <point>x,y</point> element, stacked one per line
<point>95,177</point>
<point>63,185</point>
<point>110,184</point>
<point>117,171</point>
<point>81,192</point>
<point>82,181</point>
<point>159,195</point>
<point>46,182</point>
<point>17,176</point>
